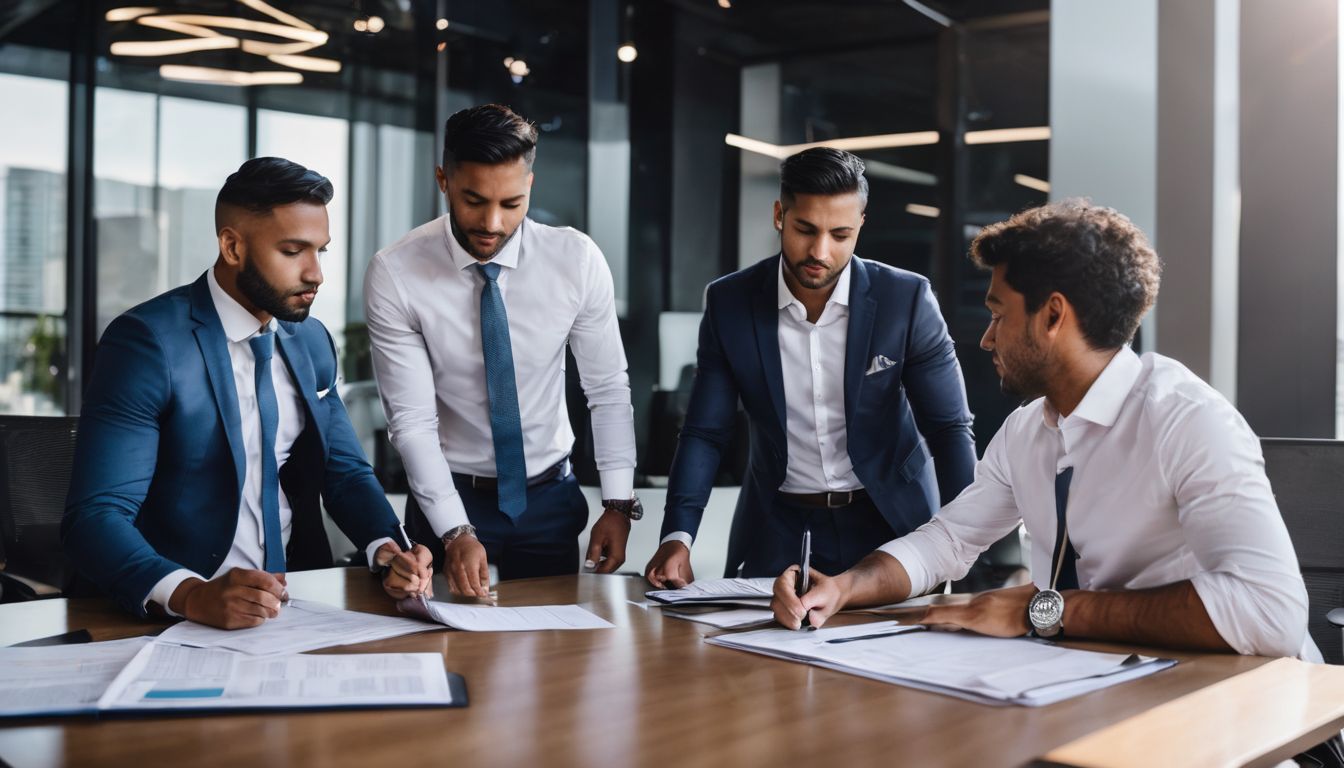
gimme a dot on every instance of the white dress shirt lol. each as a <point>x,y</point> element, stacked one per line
<point>249,538</point>
<point>422,299</point>
<point>812,358</point>
<point>1168,485</point>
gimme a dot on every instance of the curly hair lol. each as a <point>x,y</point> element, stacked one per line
<point>1094,256</point>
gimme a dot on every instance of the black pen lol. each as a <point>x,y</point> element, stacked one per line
<point>805,579</point>
<point>410,546</point>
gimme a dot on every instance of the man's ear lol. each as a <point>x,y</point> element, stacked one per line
<point>779,216</point>
<point>441,178</point>
<point>231,246</point>
<point>1055,309</point>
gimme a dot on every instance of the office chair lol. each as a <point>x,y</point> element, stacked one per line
<point>37,455</point>
<point>1308,481</point>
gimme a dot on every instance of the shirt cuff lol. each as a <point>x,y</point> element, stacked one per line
<point>446,515</point>
<point>163,591</point>
<point>682,536</point>
<point>373,547</point>
<point>618,483</point>
<point>907,555</point>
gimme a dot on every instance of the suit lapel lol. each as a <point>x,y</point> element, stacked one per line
<point>765,318</point>
<point>862,312</point>
<point>301,368</point>
<point>214,346</point>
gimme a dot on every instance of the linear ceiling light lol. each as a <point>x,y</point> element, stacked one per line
<point>284,18</point>
<point>855,144</point>
<point>1008,135</point>
<point>173,47</point>
<point>1031,182</point>
<point>128,14</point>
<point>922,210</point>
<point>227,76</point>
<point>244,25</point>
<point>880,170</point>
<point>308,63</point>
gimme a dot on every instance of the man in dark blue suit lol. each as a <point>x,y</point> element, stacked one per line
<point>212,426</point>
<point>858,421</point>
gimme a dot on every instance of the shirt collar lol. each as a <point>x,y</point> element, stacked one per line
<point>839,296</point>
<point>507,256</point>
<point>239,324</point>
<point>1104,399</point>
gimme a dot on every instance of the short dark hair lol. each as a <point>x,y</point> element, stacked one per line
<point>264,183</point>
<point>1094,256</point>
<point>489,134</point>
<point>821,171</point>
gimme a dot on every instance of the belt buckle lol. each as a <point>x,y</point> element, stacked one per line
<point>832,495</point>
<point>474,486</point>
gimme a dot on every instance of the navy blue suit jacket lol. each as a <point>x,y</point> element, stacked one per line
<point>896,419</point>
<point>159,462</point>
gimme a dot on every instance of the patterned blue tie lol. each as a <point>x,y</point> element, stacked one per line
<point>262,347</point>
<point>1066,572</point>
<point>506,426</point>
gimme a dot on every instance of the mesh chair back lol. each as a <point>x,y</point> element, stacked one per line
<point>1308,481</point>
<point>37,454</point>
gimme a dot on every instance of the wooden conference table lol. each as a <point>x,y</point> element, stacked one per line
<point>650,692</point>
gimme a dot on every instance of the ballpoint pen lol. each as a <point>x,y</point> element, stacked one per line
<point>406,540</point>
<point>805,579</point>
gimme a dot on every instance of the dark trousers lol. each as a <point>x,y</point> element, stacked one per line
<point>841,537</point>
<point>543,542</point>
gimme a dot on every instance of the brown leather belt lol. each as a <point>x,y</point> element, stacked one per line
<point>824,500</point>
<point>479,483</point>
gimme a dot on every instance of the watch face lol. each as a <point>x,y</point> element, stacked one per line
<point>1046,609</point>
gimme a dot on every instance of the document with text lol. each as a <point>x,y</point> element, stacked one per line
<point>61,679</point>
<point>989,670</point>
<point>749,592</point>
<point>725,619</point>
<point>303,625</point>
<point>490,618</point>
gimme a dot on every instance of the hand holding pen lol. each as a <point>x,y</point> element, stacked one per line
<point>410,569</point>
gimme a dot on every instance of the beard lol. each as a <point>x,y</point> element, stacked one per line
<point>799,272</point>
<point>1023,369</point>
<point>269,299</point>
<point>460,235</point>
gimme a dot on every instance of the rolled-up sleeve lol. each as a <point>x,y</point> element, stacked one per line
<point>405,378</point>
<point>1249,581</point>
<point>946,546</point>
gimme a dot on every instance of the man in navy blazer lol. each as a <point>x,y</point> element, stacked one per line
<point>212,426</point>
<point>859,427</point>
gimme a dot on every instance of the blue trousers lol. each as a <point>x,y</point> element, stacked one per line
<point>841,537</point>
<point>543,542</point>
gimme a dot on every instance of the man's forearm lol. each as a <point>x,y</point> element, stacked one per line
<point>1171,616</point>
<point>877,579</point>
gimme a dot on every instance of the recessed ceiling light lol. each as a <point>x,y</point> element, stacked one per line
<point>627,53</point>
<point>725,4</point>
<point>376,24</point>
<point>441,24</point>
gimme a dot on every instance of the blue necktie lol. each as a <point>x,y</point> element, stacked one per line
<point>506,426</point>
<point>1067,570</point>
<point>262,347</point>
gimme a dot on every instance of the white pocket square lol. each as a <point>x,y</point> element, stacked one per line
<point>321,393</point>
<point>879,364</point>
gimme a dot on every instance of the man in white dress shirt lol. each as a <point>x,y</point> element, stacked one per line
<point>469,317</point>
<point>1143,489</point>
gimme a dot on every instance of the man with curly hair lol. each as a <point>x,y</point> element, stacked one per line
<point>1143,488</point>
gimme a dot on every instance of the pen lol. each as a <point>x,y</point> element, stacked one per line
<point>901,631</point>
<point>406,540</point>
<point>805,579</point>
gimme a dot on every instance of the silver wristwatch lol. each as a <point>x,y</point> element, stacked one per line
<point>1045,613</point>
<point>466,529</point>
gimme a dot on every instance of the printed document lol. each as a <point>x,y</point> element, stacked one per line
<point>752,591</point>
<point>175,677</point>
<point>302,625</point>
<point>989,670</point>
<point>61,679</point>
<point>490,618</point>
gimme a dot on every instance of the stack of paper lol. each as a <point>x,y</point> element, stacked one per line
<point>61,679</point>
<point>747,592</point>
<point>985,669</point>
<point>729,618</point>
<point>173,677</point>
<point>301,626</point>
<point>489,618</point>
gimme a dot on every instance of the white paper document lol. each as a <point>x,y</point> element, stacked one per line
<point>717,591</point>
<point>302,625</point>
<point>727,619</point>
<point>61,679</point>
<point>491,618</point>
<point>985,669</point>
<point>173,677</point>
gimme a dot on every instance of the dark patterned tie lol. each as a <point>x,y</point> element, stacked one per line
<point>506,426</point>
<point>262,347</point>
